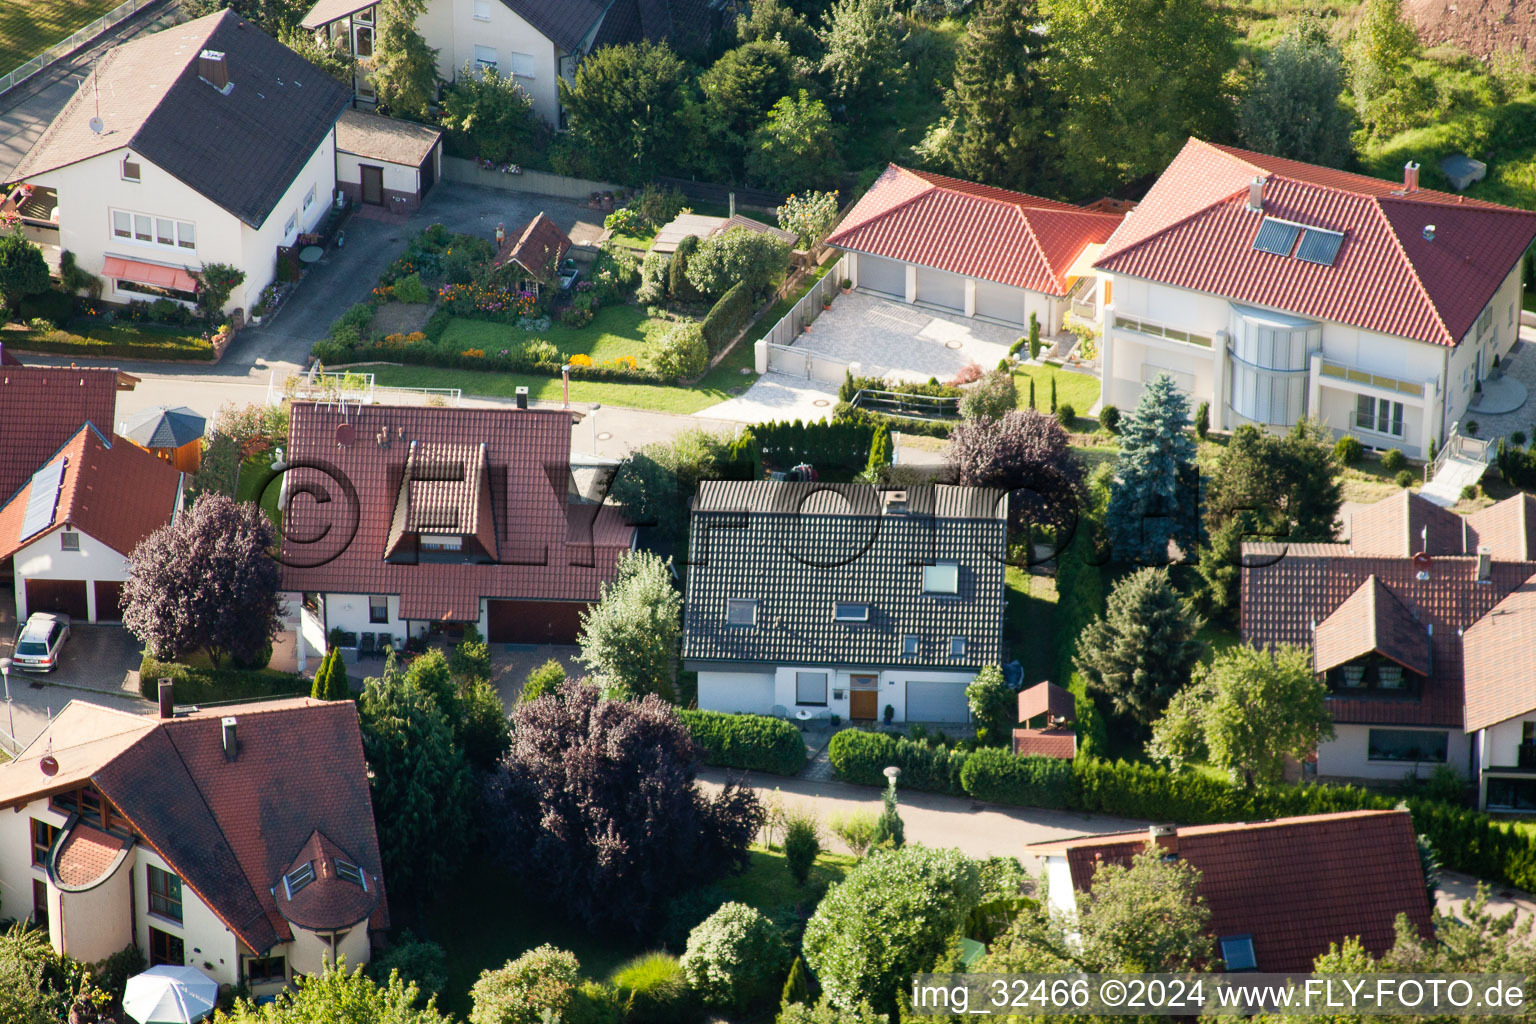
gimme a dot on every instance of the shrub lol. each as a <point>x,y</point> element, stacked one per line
<point>1348,450</point>
<point>1393,460</point>
<point>856,829</point>
<point>423,964</point>
<point>802,843</point>
<point>993,397</point>
<point>658,204</point>
<point>681,352</point>
<point>997,775</point>
<point>1517,439</point>
<point>1066,415</point>
<point>1109,419</point>
<point>1469,492</point>
<point>755,743</point>
<point>737,255</point>
<point>1203,420</point>
<point>653,279</point>
<point>727,316</point>
<point>1404,478</point>
<point>653,990</point>
<point>734,957</point>
<point>542,979</point>
<point>862,757</point>
<point>575,316</point>
<point>625,221</point>
<point>1034,336</point>
<point>1472,424</point>
<point>57,307</point>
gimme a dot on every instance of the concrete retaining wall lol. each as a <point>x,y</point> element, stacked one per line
<point>536,182</point>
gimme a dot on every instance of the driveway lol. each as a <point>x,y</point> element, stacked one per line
<point>904,342</point>
<point>777,397</point>
<point>511,663</point>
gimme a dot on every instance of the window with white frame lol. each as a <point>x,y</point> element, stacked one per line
<point>1379,415</point>
<point>130,169</point>
<point>522,64</point>
<point>165,232</point>
<point>811,688</point>
<point>309,197</point>
<point>844,611</point>
<point>485,57</point>
<point>740,612</point>
<point>482,10</point>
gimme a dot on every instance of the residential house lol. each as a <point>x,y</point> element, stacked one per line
<point>1279,892</point>
<point>430,518</point>
<point>41,407</point>
<point>205,143</point>
<point>384,161</point>
<point>537,42</point>
<point>1419,625</point>
<point>1275,290</point>
<point>972,249</point>
<point>532,259</point>
<point>238,840</point>
<point>823,599</point>
<point>1047,711</point>
<point>69,532</point>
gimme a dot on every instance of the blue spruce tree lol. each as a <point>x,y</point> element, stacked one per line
<point>1155,495</point>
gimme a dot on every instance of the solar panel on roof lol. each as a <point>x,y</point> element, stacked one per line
<point>1318,246</point>
<point>43,498</point>
<point>1276,236</point>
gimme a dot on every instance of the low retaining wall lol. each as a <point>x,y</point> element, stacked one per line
<point>533,182</point>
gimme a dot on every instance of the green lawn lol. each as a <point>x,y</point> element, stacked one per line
<point>27,27</point>
<point>127,341</point>
<point>660,397</point>
<point>1078,390</point>
<point>256,483</point>
<point>615,331</point>
<point>1029,620</point>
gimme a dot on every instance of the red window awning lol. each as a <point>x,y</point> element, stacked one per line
<point>174,278</point>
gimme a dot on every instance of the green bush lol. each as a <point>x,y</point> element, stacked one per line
<point>54,306</point>
<point>653,990</point>
<point>862,757</point>
<point>202,684</point>
<point>1109,419</point>
<point>735,957</point>
<point>1203,420</point>
<point>999,776</point>
<point>424,964</point>
<point>755,743</point>
<point>1393,460</point>
<point>840,444</point>
<point>547,678</point>
<point>410,289</point>
<point>802,843</point>
<point>681,352</point>
<point>737,256</point>
<point>1066,415</point>
<point>727,316</point>
<point>993,396</point>
<point>1348,450</point>
<point>542,979</point>
<point>1404,478</point>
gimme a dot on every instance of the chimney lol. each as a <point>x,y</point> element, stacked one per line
<point>1165,838</point>
<point>1256,194</point>
<point>1484,564</point>
<point>1410,177</point>
<point>212,69</point>
<point>231,748</point>
<point>522,398</point>
<point>167,699</point>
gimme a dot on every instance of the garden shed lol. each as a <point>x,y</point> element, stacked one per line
<point>685,224</point>
<point>384,161</point>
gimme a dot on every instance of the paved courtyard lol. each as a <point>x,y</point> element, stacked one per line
<point>777,397</point>
<point>1519,378</point>
<point>905,342</point>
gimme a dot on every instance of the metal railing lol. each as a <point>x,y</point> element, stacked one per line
<point>1458,445</point>
<point>1086,310</point>
<point>1154,329</point>
<point>64,47</point>
<point>917,407</point>
<point>1339,371</point>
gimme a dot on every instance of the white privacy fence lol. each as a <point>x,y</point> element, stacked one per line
<point>808,308</point>
<point>64,47</point>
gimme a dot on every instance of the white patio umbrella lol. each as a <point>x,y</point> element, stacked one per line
<point>170,995</point>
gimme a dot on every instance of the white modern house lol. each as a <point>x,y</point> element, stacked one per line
<point>238,840</point>
<point>1275,290</point>
<point>836,599</point>
<point>978,251</point>
<point>69,531</point>
<point>209,142</point>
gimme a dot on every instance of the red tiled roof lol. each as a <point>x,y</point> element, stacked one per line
<point>41,407</point>
<point>1060,743</point>
<point>1370,621</point>
<point>1046,698</point>
<point>1405,524</point>
<point>976,230</point>
<point>541,553</point>
<point>231,829</point>
<point>1507,528</point>
<point>541,245</point>
<point>85,856</point>
<point>1194,230</point>
<point>114,491</point>
<point>1295,885</point>
<point>1500,674</point>
<point>329,901</point>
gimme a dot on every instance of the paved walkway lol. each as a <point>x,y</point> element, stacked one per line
<point>1518,370</point>
<point>905,342</point>
<point>777,396</point>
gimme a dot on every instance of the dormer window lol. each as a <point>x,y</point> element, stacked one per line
<point>295,880</point>
<point>941,579</point>
<point>1373,674</point>
<point>351,873</point>
<point>130,170</point>
<point>845,612</point>
<point>441,542</point>
<point>740,612</point>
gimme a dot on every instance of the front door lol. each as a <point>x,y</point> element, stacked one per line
<point>864,698</point>
<point>373,184</point>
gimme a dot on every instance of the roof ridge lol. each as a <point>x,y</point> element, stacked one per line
<point>144,721</point>
<point>1166,227</point>
<point>1413,272</point>
<point>1039,247</point>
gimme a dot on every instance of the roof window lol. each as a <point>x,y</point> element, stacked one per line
<point>295,880</point>
<point>740,612</point>
<point>1237,952</point>
<point>846,612</point>
<point>941,579</point>
<point>911,645</point>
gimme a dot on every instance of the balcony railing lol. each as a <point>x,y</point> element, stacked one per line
<point>1160,330</point>
<point>1339,371</point>
<point>1085,310</point>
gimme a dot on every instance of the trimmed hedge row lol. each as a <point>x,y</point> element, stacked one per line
<point>751,742</point>
<point>1079,600</point>
<point>727,316</point>
<point>839,444</point>
<point>202,684</point>
<point>1466,840</point>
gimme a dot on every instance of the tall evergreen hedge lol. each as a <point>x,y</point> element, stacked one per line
<point>750,742</point>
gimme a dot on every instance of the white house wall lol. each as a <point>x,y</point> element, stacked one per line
<point>210,945</point>
<point>1502,742</point>
<point>397,177</point>
<point>259,245</point>
<point>98,922</point>
<point>450,26</point>
<point>759,689</point>
<point>45,559</point>
<point>16,870</point>
<point>1346,755</point>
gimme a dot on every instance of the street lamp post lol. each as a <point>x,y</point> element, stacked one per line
<point>595,406</point>
<point>5,672</point>
<point>892,774</point>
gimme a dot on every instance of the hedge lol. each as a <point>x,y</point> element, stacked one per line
<point>751,742</point>
<point>727,316</point>
<point>839,444</point>
<point>1466,840</point>
<point>847,412</point>
<point>202,684</point>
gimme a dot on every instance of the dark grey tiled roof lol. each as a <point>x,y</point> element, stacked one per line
<point>750,542</point>
<point>563,22</point>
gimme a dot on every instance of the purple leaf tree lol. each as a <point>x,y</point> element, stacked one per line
<point>1027,454</point>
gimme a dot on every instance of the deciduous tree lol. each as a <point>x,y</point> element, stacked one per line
<point>1027,454</point>
<point>737,255</point>
<point>336,995</point>
<point>1154,498</point>
<point>994,707</point>
<point>630,111</point>
<point>334,57</point>
<point>206,581</point>
<point>403,68</point>
<point>794,147</point>
<point>23,271</point>
<point>863,62</point>
<point>490,115</point>
<point>1293,109</point>
<point>596,803</point>
<point>1292,481</point>
<point>629,639</point>
<point>1141,651</point>
<point>1247,713</point>
<point>1389,95</point>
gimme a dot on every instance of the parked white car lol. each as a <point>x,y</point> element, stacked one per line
<point>41,642</point>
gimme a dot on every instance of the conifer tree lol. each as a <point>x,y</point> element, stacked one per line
<point>1143,649</point>
<point>1154,498</point>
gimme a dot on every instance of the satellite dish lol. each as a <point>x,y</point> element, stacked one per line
<point>97,127</point>
<point>1423,562</point>
<point>49,764</point>
<point>345,434</point>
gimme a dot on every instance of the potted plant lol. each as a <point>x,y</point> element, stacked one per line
<point>847,285</point>
<point>890,713</point>
<point>346,642</point>
<point>805,323</point>
<point>826,303</point>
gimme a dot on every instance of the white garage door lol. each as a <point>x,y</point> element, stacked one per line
<point>750,692</point>
<point>937,702</point>
<point>888,277</point>
<point>940,288</point>
<point>1001,302</point>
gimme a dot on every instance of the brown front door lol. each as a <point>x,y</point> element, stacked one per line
<point>373,184</point>
<point>864,698</point>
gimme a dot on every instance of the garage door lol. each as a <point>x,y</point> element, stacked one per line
<point>937,702</point>
<point>1001,302</point>
<point>888,277</point>
<point>67,596</point>
<point>534,622</point>
<point>749,692</point>
<point>938,288</point>
<point>109,600</point>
